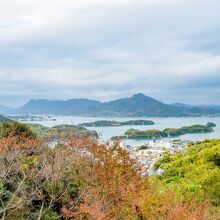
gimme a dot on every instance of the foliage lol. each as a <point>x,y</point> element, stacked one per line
<point>17,129</point>
<point>194,171</point>
<point>135,133</point>
<point>83,179</point>
<point>168,132</point>
<point>142,147</point>
<point>4,119</point>
<point>105,123</point>
<point>211,124</point>
<point>61,131</point>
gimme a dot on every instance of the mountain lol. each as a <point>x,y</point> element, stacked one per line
<point>198,110</point>
<point>181,105</point>
<point>215,107</point>
<point>69,107</point>
<point>139,105</point>
<point>5,110</point>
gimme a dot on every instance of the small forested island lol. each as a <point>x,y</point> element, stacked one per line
<point>211,124</point>
<point>168,132</point>
<point>62,131</point>
<point>42,131</point>
<point>105,123</point>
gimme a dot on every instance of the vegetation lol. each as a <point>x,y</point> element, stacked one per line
<point>16,129</point>
<point>153,133</point>
<point>61,131</point>
<point>142,147</point>
<point>104,123</point>
<point>83,179</point>
<point>168,132</point>
<point>211,124</point>
<point>4,119</point>
<point>195,171</point>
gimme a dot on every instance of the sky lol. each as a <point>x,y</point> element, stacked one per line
<point>108,49</point>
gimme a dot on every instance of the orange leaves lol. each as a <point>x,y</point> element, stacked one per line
<point>188,211</point>
<point>8,144</point>
<point>83,179</point>
<point>113,179</point>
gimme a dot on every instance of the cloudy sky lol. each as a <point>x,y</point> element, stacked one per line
<point>106,49</point>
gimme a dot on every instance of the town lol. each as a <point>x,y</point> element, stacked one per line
<point>149,153</point>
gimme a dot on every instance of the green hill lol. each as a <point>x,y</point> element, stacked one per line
<point>139,105</point>
<point>168,132</point>
<point>4,119</point>
<point>105,123</point>
<point>61,131</point>
<point>194,171</point>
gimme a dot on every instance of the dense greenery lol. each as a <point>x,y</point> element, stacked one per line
<point>13,128</point>
<point>142,147</point>
<point>105,123</point>
<point>211,124</point>
<point>4,119</point>
<point>168,132</point>
<point>62,131</point>
<point>16,129</point>
<point>82,179</point>
<point>153,133</point>
<point>194,171</point>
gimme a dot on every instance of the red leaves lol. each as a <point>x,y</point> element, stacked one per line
<point>83,179</point>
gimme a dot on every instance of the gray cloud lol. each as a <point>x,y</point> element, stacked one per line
<point>97,49</point>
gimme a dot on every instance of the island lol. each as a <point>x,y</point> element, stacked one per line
<point>211,124</point>
<point>105,123</point>
<point>168,132</point>
<point>62,131</point>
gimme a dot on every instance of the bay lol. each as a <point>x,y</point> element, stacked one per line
<point>160,123</point>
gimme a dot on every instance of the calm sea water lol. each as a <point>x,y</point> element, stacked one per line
<point>160,123</point>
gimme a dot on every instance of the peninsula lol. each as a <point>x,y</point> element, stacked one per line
<point>168,132</point>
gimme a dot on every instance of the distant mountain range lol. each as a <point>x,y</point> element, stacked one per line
<point>139,105</point>
<point>213,107</point>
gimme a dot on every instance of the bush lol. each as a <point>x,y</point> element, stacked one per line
<point>198,166</point>
<point>16,129</point>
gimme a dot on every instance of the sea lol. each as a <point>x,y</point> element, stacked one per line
<point>160,123</point>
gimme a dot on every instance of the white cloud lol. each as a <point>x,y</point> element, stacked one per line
<point>64,48</point>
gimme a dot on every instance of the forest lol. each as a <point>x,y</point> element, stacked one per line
<point>81,178</point>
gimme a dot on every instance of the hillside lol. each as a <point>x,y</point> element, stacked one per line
<point>168,132</point>
<point>6,110</point>
<point>194,171</point>
<point>62,131</point>
<point>139,105</point>
<point>81,178</point>
<point>69,107</point>
<point>4,119</point>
